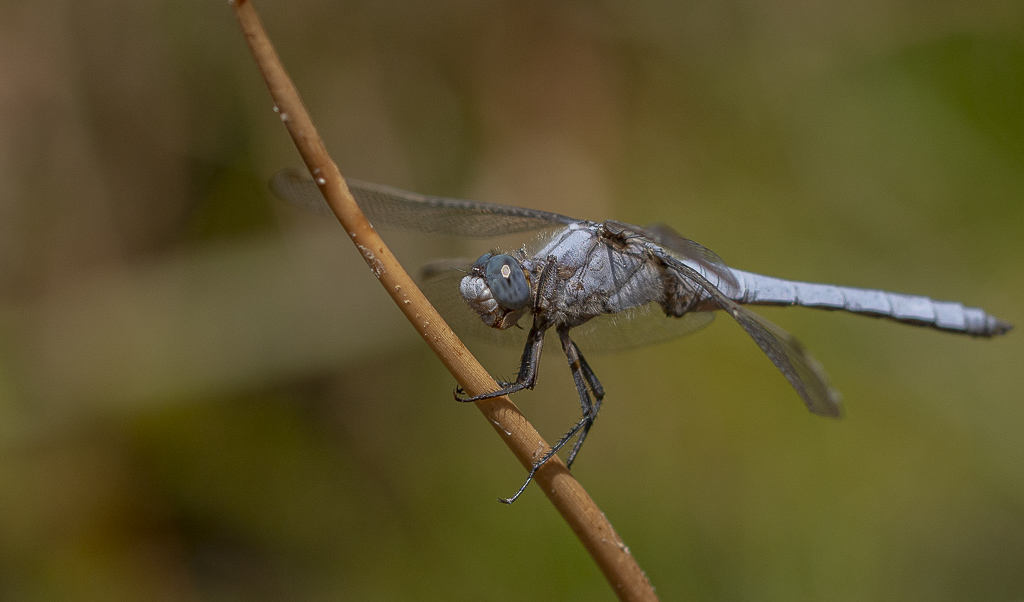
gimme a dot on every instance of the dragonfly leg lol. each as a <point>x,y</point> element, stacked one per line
<point>547,456</point>
<point>584,377</point>
<point>528,367</point>
<point>586,384</point>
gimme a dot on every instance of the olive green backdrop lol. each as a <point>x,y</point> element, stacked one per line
<point>204,395</point>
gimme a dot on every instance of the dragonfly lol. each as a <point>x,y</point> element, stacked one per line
<point>611,285</point>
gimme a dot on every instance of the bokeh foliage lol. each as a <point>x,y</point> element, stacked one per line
<point>204,395</point>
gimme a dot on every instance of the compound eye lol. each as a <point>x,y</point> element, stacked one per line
<point>482,261</point>
<point>507,282</point>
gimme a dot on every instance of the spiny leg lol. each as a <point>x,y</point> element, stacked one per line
<point>579,366</point>
<point>528,367</point>
<point>543,459</point>
<point>582,376</point>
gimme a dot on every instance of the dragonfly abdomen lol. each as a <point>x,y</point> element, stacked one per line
<point>757,289</point>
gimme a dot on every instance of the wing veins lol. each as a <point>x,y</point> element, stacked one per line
<point>408,210</point>
<point>800,368</point>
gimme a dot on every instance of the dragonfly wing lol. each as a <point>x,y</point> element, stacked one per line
<point>408,210</point>
<point>695,255</point>
<point>636,327</point>
<point>800,368</point>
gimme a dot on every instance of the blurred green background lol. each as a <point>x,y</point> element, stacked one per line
<point>205,396</point>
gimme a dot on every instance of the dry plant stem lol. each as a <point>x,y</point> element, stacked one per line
<point>569,498</point>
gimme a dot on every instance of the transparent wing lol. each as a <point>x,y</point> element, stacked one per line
<point>408,210</point>
<point>636,327</point>
<point>694,254</point>
<point>707,270</point>
<point>800,368</point>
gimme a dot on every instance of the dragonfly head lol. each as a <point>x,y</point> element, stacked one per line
<point>498,289</point>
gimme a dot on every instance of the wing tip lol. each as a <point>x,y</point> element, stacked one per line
<point>832,409</point>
